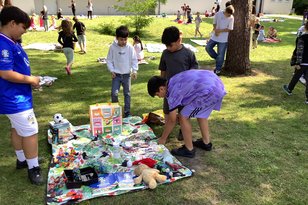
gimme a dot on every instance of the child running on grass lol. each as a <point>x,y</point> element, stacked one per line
<point>195,94</point>
<point>67,38</point>
<point>122,62</point>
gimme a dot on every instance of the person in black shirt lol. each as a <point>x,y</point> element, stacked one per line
<point>82,41</point>
<point>73,7</point>
<point>256,28</point>
<point>300,61</point>
<point>67,38</point>
<point>59,14</point>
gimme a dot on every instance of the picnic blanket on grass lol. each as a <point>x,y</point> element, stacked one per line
<point>44,46</point>
<point>269,40</point>
<point>200,42</point>
<point>102,60</point>
<point>108,163</point>
<point>159,48</point>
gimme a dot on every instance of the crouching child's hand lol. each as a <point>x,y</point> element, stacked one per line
<point>134,76</point>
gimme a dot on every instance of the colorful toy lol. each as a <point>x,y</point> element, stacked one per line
<point>106,118</point>
<point>61,130</point>
<point>149,175</point>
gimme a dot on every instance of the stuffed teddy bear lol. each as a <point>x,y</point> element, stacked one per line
<point>148,175</point>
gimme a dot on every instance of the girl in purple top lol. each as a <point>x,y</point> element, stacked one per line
<point>195,93</point>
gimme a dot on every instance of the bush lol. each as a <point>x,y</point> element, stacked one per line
<point>300,6</point>
<point>107,29</point>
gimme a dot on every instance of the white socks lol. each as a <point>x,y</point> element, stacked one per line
<point>32,163</point>
<point>20,155</point>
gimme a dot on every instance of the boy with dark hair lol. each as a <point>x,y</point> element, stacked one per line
<point>16,84</point>
<point>175,59</point>
<point>228,3</point>
<point>81,29</point>
<point>195,93</point>
<point>122,62</point>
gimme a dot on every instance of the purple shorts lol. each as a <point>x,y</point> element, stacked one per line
<point>190,111</point>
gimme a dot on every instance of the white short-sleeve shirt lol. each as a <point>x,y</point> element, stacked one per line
<point>222,22</point>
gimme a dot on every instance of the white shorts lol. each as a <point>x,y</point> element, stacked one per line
<point>24,123</point>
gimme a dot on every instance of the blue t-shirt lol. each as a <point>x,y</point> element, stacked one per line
<point>14,97</point>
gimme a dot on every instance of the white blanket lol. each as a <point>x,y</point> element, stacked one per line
<point>43,46</point>
<point>200,42</point>
<point>159,48</point>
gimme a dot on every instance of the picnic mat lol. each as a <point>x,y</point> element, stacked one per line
<point>200,42</point>
<point>159,48</point>
<point>269,40</point>
<point>43,46</point>
<point>106,169</point>
<point>103,60</point>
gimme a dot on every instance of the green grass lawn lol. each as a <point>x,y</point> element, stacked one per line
<point>260,136</point>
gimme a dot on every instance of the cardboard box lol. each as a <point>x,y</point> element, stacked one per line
<point>106,118</point>
<point>61,132</point>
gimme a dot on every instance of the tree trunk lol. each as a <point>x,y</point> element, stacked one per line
<point>237,60</point>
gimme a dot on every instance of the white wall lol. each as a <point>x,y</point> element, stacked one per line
<point>105,7</point>
<point>277,6</point>
<point>26,6</point>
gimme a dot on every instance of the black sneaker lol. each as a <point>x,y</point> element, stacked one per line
<point>35,176</point>
<point>183,152</point>
<point>127,114</point>
<point>24,164</point>
<point>200,144</point>
<point>286,89</point>
<point>180,136</point>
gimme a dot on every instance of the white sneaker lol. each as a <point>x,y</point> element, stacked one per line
<point>302,80</point>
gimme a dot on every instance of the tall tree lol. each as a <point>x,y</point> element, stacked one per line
<point>139,10</point>
<point>237,60</point>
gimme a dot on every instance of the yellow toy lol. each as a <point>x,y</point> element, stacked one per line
<point>148,175</point>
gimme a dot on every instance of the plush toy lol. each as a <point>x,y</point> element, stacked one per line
<point>148,175</point>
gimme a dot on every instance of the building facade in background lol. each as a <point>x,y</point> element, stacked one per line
<point>105,7</point>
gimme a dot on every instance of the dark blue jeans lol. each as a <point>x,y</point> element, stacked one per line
<point>297,74</point>
<point>124,80</point>
<point>220,55</point>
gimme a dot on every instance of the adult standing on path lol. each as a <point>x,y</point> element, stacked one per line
<point>45,17</point>
<point>73,6</point>
<point>90,9</point>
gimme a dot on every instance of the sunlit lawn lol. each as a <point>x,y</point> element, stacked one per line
<point>260,136</point>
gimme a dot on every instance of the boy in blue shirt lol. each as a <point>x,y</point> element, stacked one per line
<point>122,62</point>
<point>16,84</point>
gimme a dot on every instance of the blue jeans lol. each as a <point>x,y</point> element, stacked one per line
<point>124,80</point>
<point>220,55</point>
